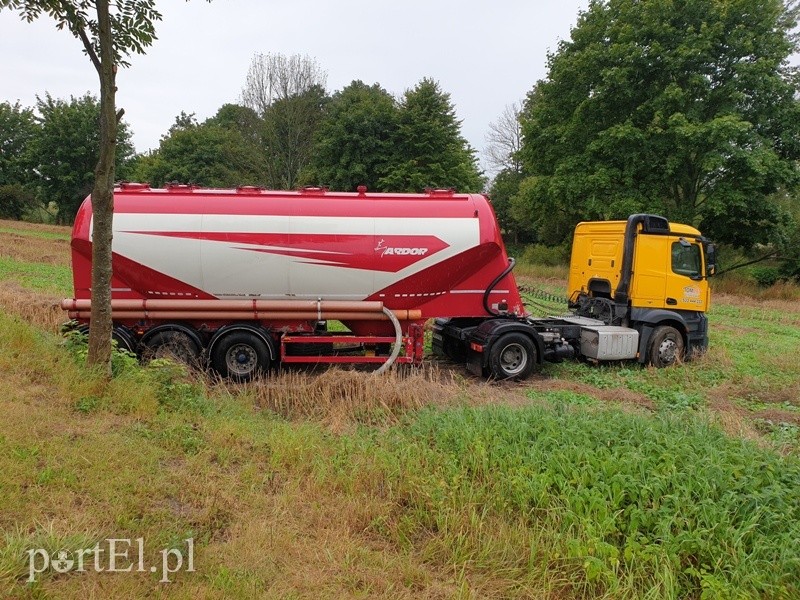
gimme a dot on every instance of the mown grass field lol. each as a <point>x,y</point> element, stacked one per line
<point>583,482</point>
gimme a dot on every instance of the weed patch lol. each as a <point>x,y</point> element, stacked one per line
<point>617,504</point>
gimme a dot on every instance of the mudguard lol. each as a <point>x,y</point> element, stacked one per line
<point>262,333</point>
<point>693,326</point>
<point>490,330</point>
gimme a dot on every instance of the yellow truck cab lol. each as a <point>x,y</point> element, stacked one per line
<point>638,290</point>
<point>646,274</point>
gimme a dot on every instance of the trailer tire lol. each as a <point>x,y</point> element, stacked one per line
<point>512,356</point>
<point>124,338</point>
<point>666,347</point>
<point>120,334</point>
<point>240,356</point>
<point>173,344</point>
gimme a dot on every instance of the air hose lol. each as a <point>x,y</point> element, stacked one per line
<point>498,279</point>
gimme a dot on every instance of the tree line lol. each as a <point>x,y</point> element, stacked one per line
<point>286,132</point>
<point>289,132</point>
<point>685,108</point>
<point>49,154</point>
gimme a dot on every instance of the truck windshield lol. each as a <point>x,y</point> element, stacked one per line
<point>686,259</point>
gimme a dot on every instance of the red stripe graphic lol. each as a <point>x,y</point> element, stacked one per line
<point>387,253</point>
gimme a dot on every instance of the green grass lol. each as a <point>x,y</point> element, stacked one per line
<point>751,361</point>
<point>563,498</point>
<point>51,279</point>
<point>563,398</point>
<point>562,491</point>
<point>608,503</point>
<point>36,233</point>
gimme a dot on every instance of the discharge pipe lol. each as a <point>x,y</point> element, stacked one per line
<point>210,315</point>
<point>398,341</point>
<point>148,304</point>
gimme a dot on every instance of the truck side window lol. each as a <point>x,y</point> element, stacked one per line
<point>686,259</point>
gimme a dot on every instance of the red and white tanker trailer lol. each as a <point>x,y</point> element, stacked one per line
<point>248,278</point>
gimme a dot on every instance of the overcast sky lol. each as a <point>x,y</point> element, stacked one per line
<point>486,54</point>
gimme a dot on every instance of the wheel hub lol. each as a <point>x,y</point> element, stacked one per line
<point>513,359</point>
<point>667,351</point>
<point>241,359</point>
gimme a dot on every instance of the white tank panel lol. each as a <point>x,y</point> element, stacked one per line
<point>247,265</point>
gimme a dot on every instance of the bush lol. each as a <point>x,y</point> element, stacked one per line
<point>539,254</point>
<point>765,276</point>
<point>15,201</point>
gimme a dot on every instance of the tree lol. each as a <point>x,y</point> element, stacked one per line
<point>108,37</point>
<point>683,107</point>
<point>239,118</point>
<point>215,153</point>
<point>504,141</point>
<point>430,151</point>
<point>288,94</point>
<point>502,152</point>
<point>288,134</point>
<point>503,190</point>
<point>64,151</point>
<point>17,128</point>
<point>355,139</point>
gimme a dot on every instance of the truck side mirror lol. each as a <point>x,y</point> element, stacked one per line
<point>711,260</point>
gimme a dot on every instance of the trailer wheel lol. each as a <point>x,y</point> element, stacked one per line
<point>120,334</point>
<point>666,347</point>
<point>240,355</point>
<point>176,345</point>
<point>124,339</point>
<point>513,356</point>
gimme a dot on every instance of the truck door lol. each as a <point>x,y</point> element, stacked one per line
<point>650,262</point>
<point>685,287</point>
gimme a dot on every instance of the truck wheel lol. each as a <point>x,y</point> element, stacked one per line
<point>513,356</point>
<point>175,345</point>
<point>666,347</point>
<point>240,355</point>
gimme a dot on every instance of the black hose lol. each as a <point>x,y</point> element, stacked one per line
<point>498,279</point>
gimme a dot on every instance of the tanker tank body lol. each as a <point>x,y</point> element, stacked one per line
<point>245,278</point>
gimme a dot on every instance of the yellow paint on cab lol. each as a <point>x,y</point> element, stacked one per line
<point>668,269</point>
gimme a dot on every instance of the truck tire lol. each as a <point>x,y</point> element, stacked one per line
<point>666,347</point>
<point>512,356</point>
<point>240,356</point>
<point>175,345</point>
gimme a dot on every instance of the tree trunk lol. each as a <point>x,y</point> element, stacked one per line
<point>103,201</point>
